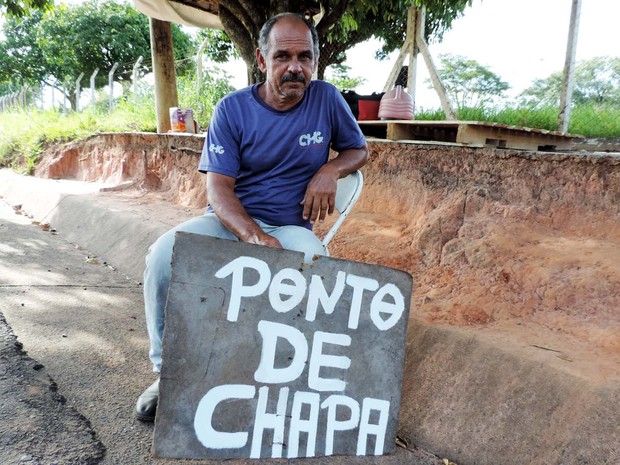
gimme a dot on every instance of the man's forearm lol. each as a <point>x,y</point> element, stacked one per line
<point>350,160</point>
<point>320,197</point>
<point>229,210</point>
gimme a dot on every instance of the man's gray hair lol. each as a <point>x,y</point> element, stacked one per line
<point>263,38</point>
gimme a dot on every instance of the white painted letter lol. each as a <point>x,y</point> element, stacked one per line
<point>203,425</point>
<point>379,429</point>
<point>237,289</point>
<point>317,293</point>
<point>296,291</point>
<point>318,359</point>
<point>266,372</point>
<point>274,421</point>
<point>312,399</point>
<point>379,306</point>
<point>359,285</point>
<point>333,425</point>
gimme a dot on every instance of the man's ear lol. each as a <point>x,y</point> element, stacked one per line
<point>260,59</point>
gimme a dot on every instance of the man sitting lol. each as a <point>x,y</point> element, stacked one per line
<point>266,158</point>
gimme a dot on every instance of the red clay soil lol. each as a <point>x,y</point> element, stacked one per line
<point>523,247</point>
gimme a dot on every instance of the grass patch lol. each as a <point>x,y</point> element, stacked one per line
<point>24,135</point>
<point>588,120</point>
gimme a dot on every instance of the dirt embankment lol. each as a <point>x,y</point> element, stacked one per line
<point>519,245</point>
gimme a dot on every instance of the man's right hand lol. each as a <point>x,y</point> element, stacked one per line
<point>228,208</point>
<point>265,239</point>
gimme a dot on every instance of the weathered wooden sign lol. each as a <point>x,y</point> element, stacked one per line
<point>267,357</point>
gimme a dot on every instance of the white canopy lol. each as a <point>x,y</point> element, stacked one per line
<point>178,13</point>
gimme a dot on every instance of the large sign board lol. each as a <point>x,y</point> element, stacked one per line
<point>267,357</point>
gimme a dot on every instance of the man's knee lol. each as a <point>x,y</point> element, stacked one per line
<point>300,239</point>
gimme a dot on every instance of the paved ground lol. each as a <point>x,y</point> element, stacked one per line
<point>82,324</point>
<point>67,396</point>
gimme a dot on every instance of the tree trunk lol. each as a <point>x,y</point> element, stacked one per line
<point>243,19</point>
<point>162,54</point>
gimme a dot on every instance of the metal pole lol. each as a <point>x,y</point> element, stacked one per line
<point>134,76</point>
<point>92,88</point>
<point>111,84</point>
<point>569,68</point>
<point>64,98</point>
<point>77,92</point>
<point>23,94</point>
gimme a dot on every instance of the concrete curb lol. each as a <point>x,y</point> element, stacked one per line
<point>465,396</point>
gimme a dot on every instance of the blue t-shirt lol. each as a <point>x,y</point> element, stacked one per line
<point>273,154</point>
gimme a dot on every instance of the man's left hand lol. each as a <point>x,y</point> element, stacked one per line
<point>320,198</point>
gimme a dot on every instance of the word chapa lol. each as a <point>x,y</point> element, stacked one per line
<point>324,400</point>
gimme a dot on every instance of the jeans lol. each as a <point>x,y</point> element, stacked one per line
<point>158,259</point>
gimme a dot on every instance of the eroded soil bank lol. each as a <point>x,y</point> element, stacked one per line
<point>522,246</point>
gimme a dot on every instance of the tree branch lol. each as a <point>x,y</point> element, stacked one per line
<point>243,17</point>
<point>331,16</point>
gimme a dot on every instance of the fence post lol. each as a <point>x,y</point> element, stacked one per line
<point>111,84</point>
<point>65,108</point>
<point>23,97</point>
<point>53,98</point>
<point>566,96</point>
<point>77,92</point>
<point>201,51</point>
<point>134,77</point>
<point>92,88</point>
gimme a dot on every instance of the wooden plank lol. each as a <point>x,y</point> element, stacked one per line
<point>472,133</point>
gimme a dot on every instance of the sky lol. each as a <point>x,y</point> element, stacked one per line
<point>520,41</point>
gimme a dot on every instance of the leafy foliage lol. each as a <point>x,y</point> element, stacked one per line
<point>58,45</point>
<point>468,83</point>
<point>218,46</point>
<point>596,82</point>
<point>203,97</point>
<point>343,24</point>
<point>22,7</point>
<point>341,79</point>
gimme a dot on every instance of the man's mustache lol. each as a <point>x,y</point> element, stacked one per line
<point>290,77</point>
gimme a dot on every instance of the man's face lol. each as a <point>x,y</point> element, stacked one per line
<point>289,63</point>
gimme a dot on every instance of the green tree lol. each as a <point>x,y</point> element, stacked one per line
<point>343,24</point>
<point>596,81</point>
<point>58,45</point>
<point>341,79</point>
<point>217,45</point>
<point>468,83</point>
<point>21,7</point>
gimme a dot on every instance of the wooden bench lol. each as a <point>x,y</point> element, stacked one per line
<point>470,133</point>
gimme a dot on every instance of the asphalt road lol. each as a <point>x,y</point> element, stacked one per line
<point>82,324</point>
<point>73,358</point>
